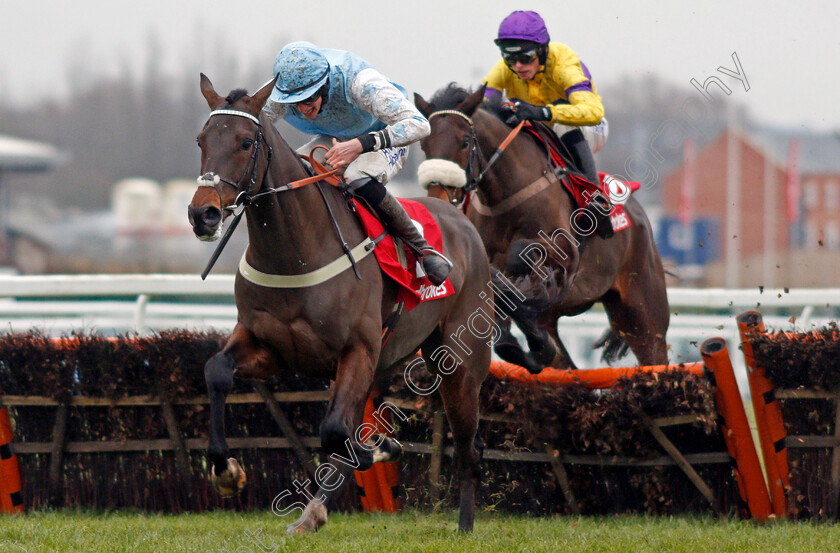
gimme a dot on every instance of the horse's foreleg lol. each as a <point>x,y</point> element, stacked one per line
<point>546,348</point>
<point>543,350</point>
<point>562,358</point>
<point>508,348</point>
<point>228,477</point>
<point>341,452</point>
<point>248,358</point>
<point>642,322</point>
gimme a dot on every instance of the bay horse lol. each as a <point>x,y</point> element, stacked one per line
<point>334,328</point>
<point>529,233</point>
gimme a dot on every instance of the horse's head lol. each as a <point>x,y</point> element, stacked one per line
<point>232,153</point>
<point>451,148</point>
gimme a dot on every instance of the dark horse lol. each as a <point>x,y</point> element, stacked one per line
<point>528,232</point>
<point>332,329</point>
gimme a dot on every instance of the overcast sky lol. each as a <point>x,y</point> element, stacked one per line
<point>790,56</point>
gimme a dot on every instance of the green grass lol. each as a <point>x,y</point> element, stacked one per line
<point>72,531</point>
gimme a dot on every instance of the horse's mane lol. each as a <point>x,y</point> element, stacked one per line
<point>451,95</point>
<point>235,95</point>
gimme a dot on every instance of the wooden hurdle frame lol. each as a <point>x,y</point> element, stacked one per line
<point>378,485</point>
<point>736,430</point>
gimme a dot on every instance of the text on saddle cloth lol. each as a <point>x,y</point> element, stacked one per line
<point>414,286</point>
<point>581,190</point>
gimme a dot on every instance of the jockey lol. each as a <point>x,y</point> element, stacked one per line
<point>364,119</point>
<point>547,82</point>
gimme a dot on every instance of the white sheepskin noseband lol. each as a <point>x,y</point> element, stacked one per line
<point>442,172</point>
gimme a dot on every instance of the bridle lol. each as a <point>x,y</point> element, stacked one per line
<point>244,198</point>
<point>475,153</point>
<point>451,194</point>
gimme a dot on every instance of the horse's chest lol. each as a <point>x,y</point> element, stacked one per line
<point>298,341</point>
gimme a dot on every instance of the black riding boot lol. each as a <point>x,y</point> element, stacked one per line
<point>581,154</point>
<point>396,220</point>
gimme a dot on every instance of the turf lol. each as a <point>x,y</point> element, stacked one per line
<point>72,531</point>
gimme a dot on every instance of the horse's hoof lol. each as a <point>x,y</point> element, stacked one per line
<point>389,451</point>
<point>396,449</point>
<point>313,517</point>
<point>548,356</point>
<point>231,481</point>
<point>534,368</point>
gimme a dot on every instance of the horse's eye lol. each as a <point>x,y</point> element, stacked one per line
<point>465,143</point>
<point>247,143</point>
<point>198,142</point>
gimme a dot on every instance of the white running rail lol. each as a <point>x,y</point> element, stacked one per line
<point>110,304</point>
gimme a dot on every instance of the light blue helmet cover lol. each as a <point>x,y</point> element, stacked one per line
<point>301,69</point>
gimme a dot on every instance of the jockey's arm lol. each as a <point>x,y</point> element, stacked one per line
<point>372,92</point>
<point>585,106</point>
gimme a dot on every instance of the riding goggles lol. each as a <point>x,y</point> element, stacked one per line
<point>527,56</point>
<point>312,99</point>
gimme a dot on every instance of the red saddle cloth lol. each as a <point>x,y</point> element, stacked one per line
<point>414,285</point>
<point>577,186</point>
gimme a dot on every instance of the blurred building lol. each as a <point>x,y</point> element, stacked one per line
<point>145,230</point>
<point>755,208</point>
<point>21,157</point>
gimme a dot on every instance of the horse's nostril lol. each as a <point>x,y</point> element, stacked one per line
<point>208,216</point>
<point>211,216</point>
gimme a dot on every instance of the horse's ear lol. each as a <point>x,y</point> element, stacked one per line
<point>425,107</point>
<point>209,93</point>
<point>471,102</point>
<point>260,97</point>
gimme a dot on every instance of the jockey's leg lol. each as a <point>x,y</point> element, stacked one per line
<point>397,221</point>
<point>581,154</point>
<point>367,176</point>
<point>583,159</point>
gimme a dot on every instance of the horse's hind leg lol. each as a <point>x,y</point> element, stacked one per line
<point>244,355</point>
<point>642,322</point>
<point>462,375</point>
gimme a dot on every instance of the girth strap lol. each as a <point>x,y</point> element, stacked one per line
<point>312,278</point>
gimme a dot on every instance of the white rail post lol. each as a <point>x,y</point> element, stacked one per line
<point>140,313</point>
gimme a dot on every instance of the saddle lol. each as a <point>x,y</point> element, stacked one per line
<point>404,269</point>
<point>578,186</point>
<point>395,259</point>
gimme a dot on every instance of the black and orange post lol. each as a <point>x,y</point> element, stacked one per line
<point>377,485</point>
<point>736,429</point>
<point>768,415</point>
<point>11,500</point>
